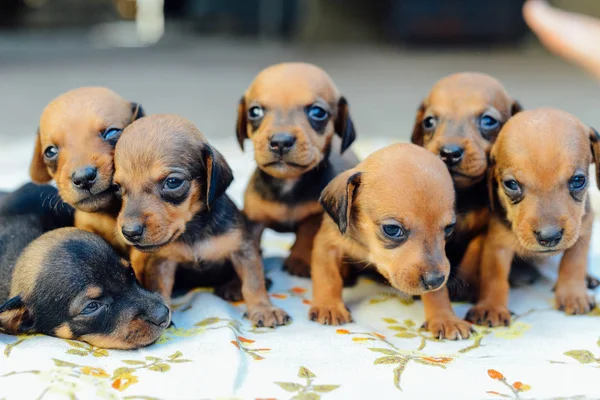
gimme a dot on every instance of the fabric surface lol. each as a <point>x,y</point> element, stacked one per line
<point>214,353</point>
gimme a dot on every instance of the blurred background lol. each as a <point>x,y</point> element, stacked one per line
<point>196,57</point>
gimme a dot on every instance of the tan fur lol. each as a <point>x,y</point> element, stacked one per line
<point>64,331</point>
<point>104,225</point>
<point>214,249</point>
<point>269,212</point>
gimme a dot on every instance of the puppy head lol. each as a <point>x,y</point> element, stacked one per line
<point>398,205</point>
<point>540,167</point>
<point>71,284</point>
<point>459,121</point>
<point>75,144</point>
<point>291,112</point>
<point>167,173</point>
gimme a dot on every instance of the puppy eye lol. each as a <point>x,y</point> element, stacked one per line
<point>173,183</point>
<point>317,113</point>
<point>511,185</point>
<point>577,182</point>
<point>91,308</point>
<point>111,134</point>
<point>448,230</point>
<point>488,124</point>
<point>394,232</point>
<point>51,152</point>
<point>256,112</point>
<point>429,123</point>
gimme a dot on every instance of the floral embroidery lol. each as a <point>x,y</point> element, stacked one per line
<point>515,388</point>
<point>307,391</point>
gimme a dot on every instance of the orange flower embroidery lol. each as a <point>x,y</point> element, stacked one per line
<point>439,360</point>
<point>279,296</point>
<point>342,331</point>
<point>124,381</point>
<point>495,374</point>
<point>95,372</point>
<point>244,340</point>
<point>236,344</point>
<point>298,290</point>
<point>378,335</point>
<point>307,302</point>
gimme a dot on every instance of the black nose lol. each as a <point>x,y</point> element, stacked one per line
<point>159,316</point>
<point>281,143</point>
<point>132,232</point>
<point>433,280</point>
<point>451,154</point>
<point>549,237</point>
<point>84,178</point>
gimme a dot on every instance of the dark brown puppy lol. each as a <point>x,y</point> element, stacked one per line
<point>75,146</point>
<point>394,211</point>
<point>291,112</point>
<point>539,180</point>
<point>459,121</point>
<point>175,210</point>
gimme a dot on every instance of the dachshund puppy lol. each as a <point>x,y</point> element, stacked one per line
<point>538,183</point>
<point>175,210</point>
<point>394,211</point>
<point>291,112</point>
<point>459,121</point>
<point>75,145</point>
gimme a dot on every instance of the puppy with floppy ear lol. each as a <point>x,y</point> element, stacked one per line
<point>175,210</point>
<point>402,236</point>
<point>75,145</point>
<point>539,182</point>
<point>291,112</point>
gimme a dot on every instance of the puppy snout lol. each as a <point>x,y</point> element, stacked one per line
<point>432,280</point>
<point>133,232</point>
<point>159,316</point>
<point>451,154</point>
<point>281,143</point>
<point>549,236</point>
<point>84,178</point>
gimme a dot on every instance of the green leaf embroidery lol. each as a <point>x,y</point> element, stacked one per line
<point>388,360</point>
<point>208,321</point>
<point>384,351</point>
<point>76,352</point>
<point>307,396</point>
<point>406,335</point>
<point>175,355</point>
<point>73,343</point>
<point>409,322</point>
<point>133,362</point>
<point>325,388</point>
<point>390,320</point>
<point>122,371</point>
<point>60,363</point>
<point>397,328</point>
<point>289,386</point>
<point>160,368</point>
<point>179,361</point>
<point>305,373</point>
<point>100,353</point>
<point>425,362</point>
<point>152,358</point>
<point>583,356</point>
<point>398,372</point>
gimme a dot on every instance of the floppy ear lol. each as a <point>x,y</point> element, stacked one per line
<point>595,145</point>
<point>417,133</point>
<point>343,124</point>
<point>218,174</point>
<point>337,198</point>
<point>137,111</point>
<point>515,108</point>
<point>15,318</point>
<point>491,183</point>
<point>241,128</point>
<point>38,170</point>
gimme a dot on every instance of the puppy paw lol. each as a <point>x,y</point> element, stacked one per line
<point>448,327</point>
<point>489,315</point>
<point>574,300</point>
<point>330,314</point>
<point>297,267</point>
<point>230,291</point>
<point>267,316</point>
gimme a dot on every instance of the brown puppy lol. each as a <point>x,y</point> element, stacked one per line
<point>291,112</point>
<point>395,211</point>
<point>459,121</point>
<point>539,180</point>
<point>175,210</point>
<point>75,145</point>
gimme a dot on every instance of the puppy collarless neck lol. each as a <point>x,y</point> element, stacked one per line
<point>221,218</point>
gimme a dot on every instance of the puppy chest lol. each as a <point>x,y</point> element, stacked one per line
<point>278,214</point>
<point>212,249</point>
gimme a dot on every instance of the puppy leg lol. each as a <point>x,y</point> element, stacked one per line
<point>571,288</point>
<point>138,263</point>
<point>467,285</point>
<point>249,267</point>
<point>231,290</point>
<point>159,276</point>
<point>440,318</point>
<point>298,262</point>
<point>327,306</point>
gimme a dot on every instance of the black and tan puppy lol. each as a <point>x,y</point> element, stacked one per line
<point>539,180</point>
<point>394,211</point>
<point>175,210</point>
<point>75,146</point>
<point>291,112</point>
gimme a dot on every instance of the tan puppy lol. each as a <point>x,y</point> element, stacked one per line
<point>539,182</point>
<point>75,145</point>
<point>291,112</point>
<point>395,211</point>
<point>175,211</point>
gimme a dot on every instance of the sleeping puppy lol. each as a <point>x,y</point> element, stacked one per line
<point>538,182</point>
<point>175,210</point>
<point>394,211</point>
<point>75,145</point>
<point>291,112</point>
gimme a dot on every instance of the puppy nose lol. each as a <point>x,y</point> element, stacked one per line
<point>549,237</point>
<point>159,316</point>
<point>281,143</point>
<point>432,280</point>
<point>85,177</point>
<point>132,232</point>
<point>451,154</point>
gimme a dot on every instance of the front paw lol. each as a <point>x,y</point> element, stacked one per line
<point>489,315</point>
<point>574,300</point>
<point>297,267</point>
<point>230,291</point>
<point>330,314</point>
<point>267,316</point>
<point>448,327</point>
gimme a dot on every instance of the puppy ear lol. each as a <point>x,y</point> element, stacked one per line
<point>137,111</point>
<point>15,318</point>
<point>241,128</point>
<point>417,133</point>
<point>515,108</point>
<point>218,174</point>
<point>337,198</point>
<point>38,170</point>
<point>491,183</point>
<point>343,124</point>
<point>595,145</point>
